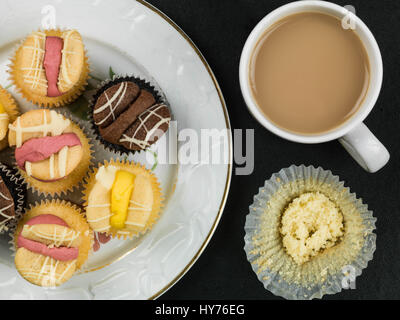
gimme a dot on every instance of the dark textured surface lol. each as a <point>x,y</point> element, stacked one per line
<point>219,29</point>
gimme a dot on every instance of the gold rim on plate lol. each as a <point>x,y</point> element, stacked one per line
<point>228,126</point>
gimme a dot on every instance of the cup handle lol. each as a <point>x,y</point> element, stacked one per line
<point>365,148</point>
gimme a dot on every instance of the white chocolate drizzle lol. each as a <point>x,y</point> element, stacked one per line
<point>67,237</point>
<point>35,71</point>
<point>143,144</point>
<point>109,104</point>
<point>65,66</point>
<point>62,161</point>
<point>99,219</point>
<point>6,217</point>
<point>106,176</point>
<point>55,127</point>
<point>51,166</point>
<point>47,276</point>
<point>28,168</point>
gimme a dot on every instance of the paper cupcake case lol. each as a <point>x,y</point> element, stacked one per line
<point>49,102</point>
<point>75,179</point>
<point>17,188</point>
<point>103,86</point>
<point>329,271</point>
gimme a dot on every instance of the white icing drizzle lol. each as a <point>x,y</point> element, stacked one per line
<point>122,87</point>
<point>47,275</point>
<point>34,76</point>
<point>134,224</point>
<point>44,266</point>
<point>67,236</point>
<point>4,116</point>
<point>55,127</point>
<point>4,209</point>
<point>67,269</point>
<point>138,206</point>
<point>65,66</point>
<point>99,219</point>
<point>62,161</point>
<point>4,196</point>
<point>106,176</point>
<point>150,112</point>
<point>28,168</point>
<point>51,166</point>
<point>5,216</point>
<point>106,205</point>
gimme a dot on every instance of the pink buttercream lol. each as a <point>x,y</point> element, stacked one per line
<point>52,61</point>
<point>60,253</point>
<point>38,149</point>
<point>47,219</point>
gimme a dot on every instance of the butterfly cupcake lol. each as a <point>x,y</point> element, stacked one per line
<point>52,153</point>
<point>50,67</point>
<point>122,199</point>
<point>52,242</point>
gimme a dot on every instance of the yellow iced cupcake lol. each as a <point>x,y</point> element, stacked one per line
<point>52,241</point>
<point>52,153</point>
<point>50,67</point>
<point>122,199</point>
<point>8,113</point>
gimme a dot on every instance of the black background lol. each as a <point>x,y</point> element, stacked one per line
<point>219,28</point>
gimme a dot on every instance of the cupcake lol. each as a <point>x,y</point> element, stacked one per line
<point>8,113</point>
<point>50,67</point>
<point>52,153</point>
<point>122,199</point>
<point>12,198</point>
<point>128,115</point>
<point>52,241</point>
<point>307,235</point>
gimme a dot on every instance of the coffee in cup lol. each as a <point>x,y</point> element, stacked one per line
<point>308,75</point>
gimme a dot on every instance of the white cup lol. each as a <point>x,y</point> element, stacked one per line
<point>355,137</point>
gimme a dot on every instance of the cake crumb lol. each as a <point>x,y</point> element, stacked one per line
<point>310,224</point>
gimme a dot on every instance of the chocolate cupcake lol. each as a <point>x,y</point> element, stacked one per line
<point>128,114</point>
<point>12,198</point>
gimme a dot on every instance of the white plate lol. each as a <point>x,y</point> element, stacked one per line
<point>134,37</point>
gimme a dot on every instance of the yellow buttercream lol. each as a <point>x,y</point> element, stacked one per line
<point>2,109</point>
<point>120,196</point>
